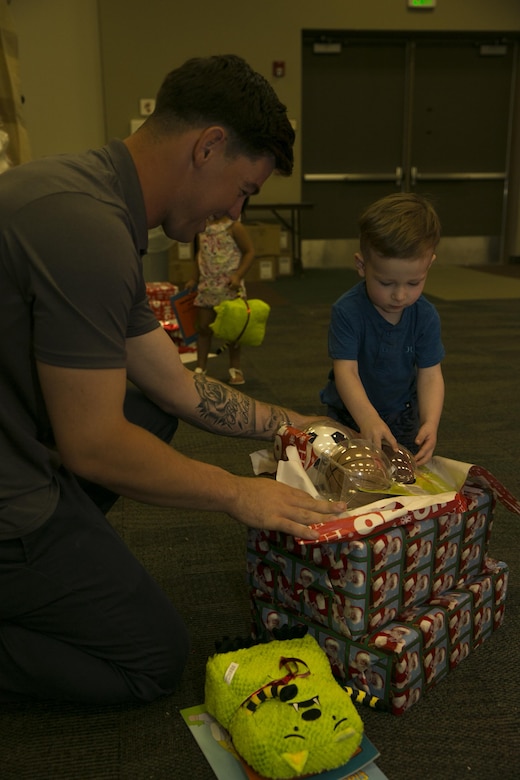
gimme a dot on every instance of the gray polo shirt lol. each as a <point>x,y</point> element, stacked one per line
<point>72,233</point>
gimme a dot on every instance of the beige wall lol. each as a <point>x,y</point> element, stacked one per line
<point>65,64</point>
<point>60,72</point>
<point>83,82</point>
<point>155,42</point>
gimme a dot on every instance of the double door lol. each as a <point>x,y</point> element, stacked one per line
<point>387,113</point>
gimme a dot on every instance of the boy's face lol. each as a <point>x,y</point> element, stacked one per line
<point>393,283</point>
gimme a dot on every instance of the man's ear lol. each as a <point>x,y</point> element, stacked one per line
<point>211,139</point>
<point>360,263</point>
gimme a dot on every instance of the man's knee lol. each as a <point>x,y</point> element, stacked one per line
<point>164,671</point>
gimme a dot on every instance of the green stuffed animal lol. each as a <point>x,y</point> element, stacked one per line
<point>286,714</point>
<point>241,322</point>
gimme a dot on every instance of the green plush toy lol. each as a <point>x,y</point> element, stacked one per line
<point>241,322</point>
<point>286,714</point>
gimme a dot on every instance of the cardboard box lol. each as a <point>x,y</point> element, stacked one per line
<point>285,265</point>
<point>286,242</point>
<point>181,263</point>
<point>181,251</point>
<point>180,271</point>
<point>263,269</point>
<point>265,237</point>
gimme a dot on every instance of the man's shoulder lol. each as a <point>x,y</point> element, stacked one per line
<point>75,187</point>
<point>62,174</point>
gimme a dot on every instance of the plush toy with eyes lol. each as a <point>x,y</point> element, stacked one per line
<point>286,714</point>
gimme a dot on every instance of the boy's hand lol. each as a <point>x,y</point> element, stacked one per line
<point>426,439</point>
<point>378,431</point>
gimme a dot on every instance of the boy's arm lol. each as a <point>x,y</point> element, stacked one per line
<point>354,397</point>
<point>430,395</point>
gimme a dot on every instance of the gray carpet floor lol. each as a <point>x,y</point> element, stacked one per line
<point>466,727</point>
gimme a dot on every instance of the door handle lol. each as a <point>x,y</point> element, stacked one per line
<point>413,175</point>
<point>460,176</point>
<point>352,177</point>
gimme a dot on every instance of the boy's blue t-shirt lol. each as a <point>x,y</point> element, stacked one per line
<point>388,355</point>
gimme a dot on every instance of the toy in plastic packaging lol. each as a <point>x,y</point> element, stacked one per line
<point>346,467</point>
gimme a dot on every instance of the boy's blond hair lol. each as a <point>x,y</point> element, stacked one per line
<point>403,225</point>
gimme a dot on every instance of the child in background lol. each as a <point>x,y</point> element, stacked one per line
<point>384,336</point>
<point>224,255</point>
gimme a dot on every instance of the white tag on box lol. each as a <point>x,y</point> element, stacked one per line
<point>184,251</point>
<point>266,269</point>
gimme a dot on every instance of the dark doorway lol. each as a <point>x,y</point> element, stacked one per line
<point>405,112</point>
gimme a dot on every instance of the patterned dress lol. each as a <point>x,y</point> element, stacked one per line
<point>219,257</point>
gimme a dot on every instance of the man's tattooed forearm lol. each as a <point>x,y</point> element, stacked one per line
<point>277,417</point>
<point>224,408</point>
<point>227,410</point>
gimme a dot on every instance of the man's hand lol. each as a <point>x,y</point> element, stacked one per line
<point>274,506</point>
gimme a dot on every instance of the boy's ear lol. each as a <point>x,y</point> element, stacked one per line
<point>434,257</point>
<point>360,263</point>
<point>210,140</point>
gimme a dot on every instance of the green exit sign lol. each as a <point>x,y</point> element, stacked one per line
<point>422,3</point>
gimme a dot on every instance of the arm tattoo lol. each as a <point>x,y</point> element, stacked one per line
<point>232,413</point>
<point>223,408</point>
<point>277,418</point>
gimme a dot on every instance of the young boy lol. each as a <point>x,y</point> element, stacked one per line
<point>384,336</point>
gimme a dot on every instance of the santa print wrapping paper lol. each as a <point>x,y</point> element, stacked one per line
<point>402,660</point>
<point>399,592</point>
<point>438,490</point>
<point>159,295</point>
<point>358,585</point>
<point>400,511</point>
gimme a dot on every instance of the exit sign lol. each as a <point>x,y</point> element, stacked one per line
<point>422,3</point>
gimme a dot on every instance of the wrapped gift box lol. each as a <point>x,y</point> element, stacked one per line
<point>174,332</point>
<point>359,585</point>
<point>159,295</point>
<point>399,591</point>
<point>401,661</point>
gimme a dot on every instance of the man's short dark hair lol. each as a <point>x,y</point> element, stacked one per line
<point>225,90</point>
